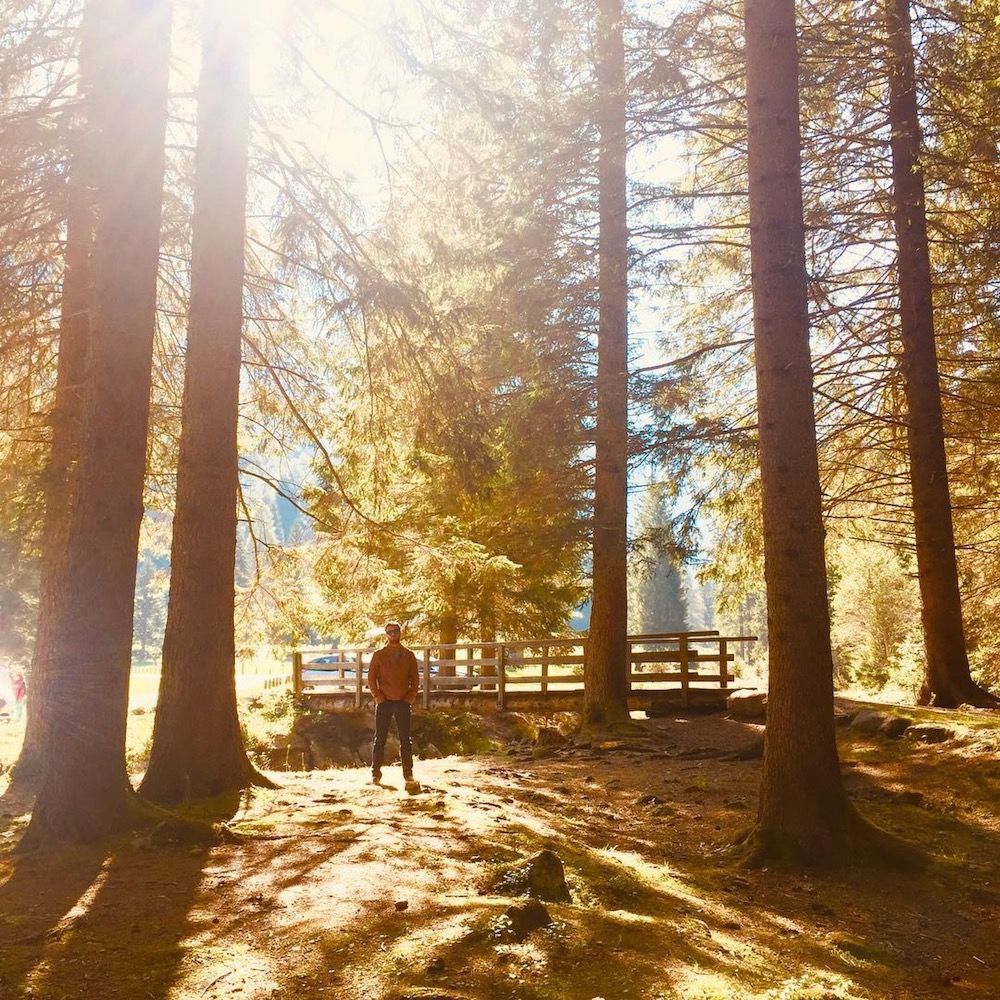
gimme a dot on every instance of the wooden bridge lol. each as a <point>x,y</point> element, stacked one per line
<point>665,668</point>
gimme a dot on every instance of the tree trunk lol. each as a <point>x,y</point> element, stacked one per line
<point>85,792</point>
<point>947,681</point>
<point>66,415</point>
<point>606,669</point>
<point>448,636</point>
<point>197,744</point>
<point>488,633</point>
<point>804,815</point>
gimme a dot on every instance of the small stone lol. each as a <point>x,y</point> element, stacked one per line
<point>526,917</point>
<point>854,946</point>
<point>928,732</point>
<point>436,964</point>
<point>868,723</point>
<point>910,798</point>
<point>541,876</point>
<point>401,904</point>
<point>648,800</point>
<point>895,726</point>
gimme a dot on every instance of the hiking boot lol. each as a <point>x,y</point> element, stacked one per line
<point>411,784</point>
<point>376,777</point>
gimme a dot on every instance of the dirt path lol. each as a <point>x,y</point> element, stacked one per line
<point>308,908</point>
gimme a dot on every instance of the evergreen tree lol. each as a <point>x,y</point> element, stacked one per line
<point>658,600</point>
<point>85,791</point>
<point>197,748</point>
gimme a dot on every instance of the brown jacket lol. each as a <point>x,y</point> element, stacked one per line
<point>393,674</point>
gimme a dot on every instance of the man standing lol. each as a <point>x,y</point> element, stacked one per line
<point>393,679</point>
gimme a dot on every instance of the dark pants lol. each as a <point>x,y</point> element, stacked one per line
<point>384,714</point>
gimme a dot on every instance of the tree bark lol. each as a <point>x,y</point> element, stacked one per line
<point>85,792</point>
<point>947,680</point>
<point>606,668</point>
<point>448,635</point>
<point>197,743</point>
<point>804,815</point>
<point>488,633</point>
<point>67,412</point>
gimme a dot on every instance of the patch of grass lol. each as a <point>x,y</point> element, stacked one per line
<point>452,733</point>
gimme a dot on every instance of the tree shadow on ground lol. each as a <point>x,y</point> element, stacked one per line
<point>659,912</point>
<point>101,920</point>
<point>41,903</point>
<point>352,891</point>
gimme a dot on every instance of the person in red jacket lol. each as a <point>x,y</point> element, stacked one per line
<point>393,679</point>
<point>20,694</point>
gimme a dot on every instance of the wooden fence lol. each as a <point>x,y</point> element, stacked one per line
<point>657,661</point>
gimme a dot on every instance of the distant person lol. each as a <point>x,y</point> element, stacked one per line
<point>20,692</point>
<point>6,690</point>
<point>393,679</point>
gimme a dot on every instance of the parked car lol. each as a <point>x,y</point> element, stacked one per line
<point>333,658</point>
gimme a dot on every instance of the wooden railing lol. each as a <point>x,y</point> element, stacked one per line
<point>490,669</point>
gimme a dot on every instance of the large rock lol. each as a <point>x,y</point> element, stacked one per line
<point>526,917</point>
<point>550,736</point>
<point>323,756</point>
<point>868,723</point>
<point>286,758</point>
<point>750,705</point>
<point>541,876</point>
<point>895,726</point>
<point>928,732</point>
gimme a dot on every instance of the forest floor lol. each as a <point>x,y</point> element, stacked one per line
<point>307,906</point>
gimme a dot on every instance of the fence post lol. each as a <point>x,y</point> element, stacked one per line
<point>545,669</point>
<point>297,675</point>
<point>427,677</point>
<point>723,663</point>
<point>501,677</point>
<point>685,680</point>
<point>358,689</point>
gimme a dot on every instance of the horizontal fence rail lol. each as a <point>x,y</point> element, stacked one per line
<point>657,661</point>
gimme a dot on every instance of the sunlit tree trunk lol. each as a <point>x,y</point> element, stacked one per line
<point>85,791</point>
<point>606,669</point>
<point>197,744</point>
<point>67,410</point>
<point>804,815</point>
<point>947,681</point>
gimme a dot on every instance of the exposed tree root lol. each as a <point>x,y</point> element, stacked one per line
<point>966,694</point>
<point>853,842</point>
<point>168,791</point>
<point>25,776</point>
<point>257,779</point>
<point>136,815</point>
<point>624,728</point>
